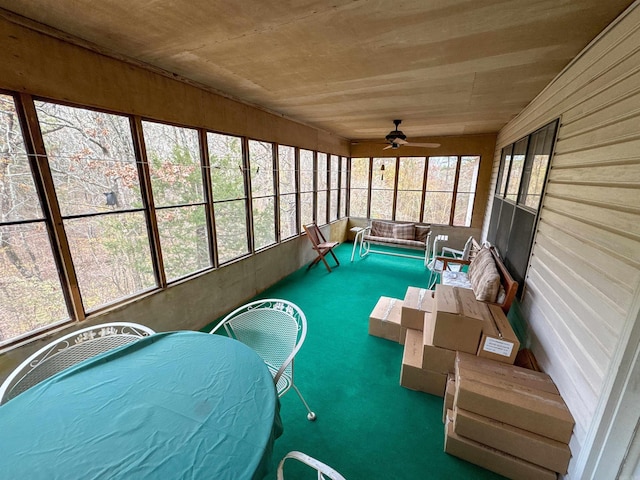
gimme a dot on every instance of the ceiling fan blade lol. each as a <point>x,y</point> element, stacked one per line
<point>399,141</point>
<point>388,147</point>
<point>426,145</point>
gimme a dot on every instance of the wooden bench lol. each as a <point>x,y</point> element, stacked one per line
<point>509,285</point>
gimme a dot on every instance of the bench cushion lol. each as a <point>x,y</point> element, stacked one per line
<point>421,233</point>
<point>404,231</point>
<point>395,242</point>
<point>380,228</point>
<point>484,277</point>
<point>461,280</point>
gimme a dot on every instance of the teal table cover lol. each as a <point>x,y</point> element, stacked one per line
<point>178,405</point>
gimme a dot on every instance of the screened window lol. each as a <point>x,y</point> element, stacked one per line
<point>343,187</point>
<point>503,175</point>
<point>321,182</point>
<point>382,185</point>
<point>535,170</point>
<point>306,187</point>
<point>175,169</point>
<point>26,258</point>
<point>410,184</point>
<point>441,176</point>
<point>334,169</point>
<point>229,195</point>
<point>287,182</point>
<point>523,170</point>
<point>95,174</point>
<point>263,193</point>
<point>466,190</point>
<point>515,172</point>
<point>359,191</point>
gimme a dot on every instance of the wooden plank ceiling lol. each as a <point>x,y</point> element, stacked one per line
<point>349,67</point>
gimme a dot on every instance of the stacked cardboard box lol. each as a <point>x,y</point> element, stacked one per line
<point>417,307</point>
<point>416,302</point>
<point>384,320</point>
<point>464,324</point>
<point>444,321</point>
<point>508,419</point>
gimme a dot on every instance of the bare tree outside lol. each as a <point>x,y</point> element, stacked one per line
<point>466,192</point>
<point>262,192</point>
<point>287,185</point>
<point>410,184</point>
<point>306,187</point>
<point>343,186</point>
<point>30,291</point>
<point>382,185</point>
<point>93,164</point>
<point>441,177</point>
<point>359,187</point>
<point>334,166</point>
<point>229,197</point>
<point>175,168</point>
<point>321,176</point>
<point>94,169</point>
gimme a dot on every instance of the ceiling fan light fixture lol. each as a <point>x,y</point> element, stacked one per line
<point>397,138</point>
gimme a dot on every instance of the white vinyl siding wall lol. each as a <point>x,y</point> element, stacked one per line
<point>584,274</point>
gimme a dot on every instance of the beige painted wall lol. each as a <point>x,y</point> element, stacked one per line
<point>583,282</point>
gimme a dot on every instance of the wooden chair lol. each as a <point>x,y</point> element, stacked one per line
<point>320,245</point>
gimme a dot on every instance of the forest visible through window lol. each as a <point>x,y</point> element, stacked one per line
<point>99,207</point>
<point>437,190</point>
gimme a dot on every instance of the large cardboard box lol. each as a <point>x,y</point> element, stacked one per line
<point>403,334</point>
<point>416,302</point>
<point>412,375</point>
<point>384,320</point>
<point>490,458</point>
<point>530,409</point>
<point>520,443</point>
<point>498,342</point>
<point>436,359</point>
<point>494,372</point>
<point>449,393</point>
<point>458,318</point>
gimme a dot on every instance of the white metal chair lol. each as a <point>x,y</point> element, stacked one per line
<point>275,329</point>
<point>325,472</point>
<point>434,265</point>
<point>67,351</point>
<point>459,254</point>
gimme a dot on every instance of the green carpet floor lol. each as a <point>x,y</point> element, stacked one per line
<point>368,426</point>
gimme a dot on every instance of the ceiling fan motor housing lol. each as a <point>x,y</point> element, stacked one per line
<point>394,135</point>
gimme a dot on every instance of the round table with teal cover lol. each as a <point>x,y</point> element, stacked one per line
<point>177,405</point>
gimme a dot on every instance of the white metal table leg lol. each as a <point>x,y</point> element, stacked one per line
<point>359,231</point>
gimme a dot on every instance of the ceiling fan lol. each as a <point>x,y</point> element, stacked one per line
<point>396,138</point>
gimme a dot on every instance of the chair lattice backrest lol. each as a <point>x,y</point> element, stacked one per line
<point>275,329</point>
<point>466,251</point>
<point>68,351</point>
<point>324,471</point>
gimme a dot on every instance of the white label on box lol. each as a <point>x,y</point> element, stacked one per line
<point>499,347</point>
